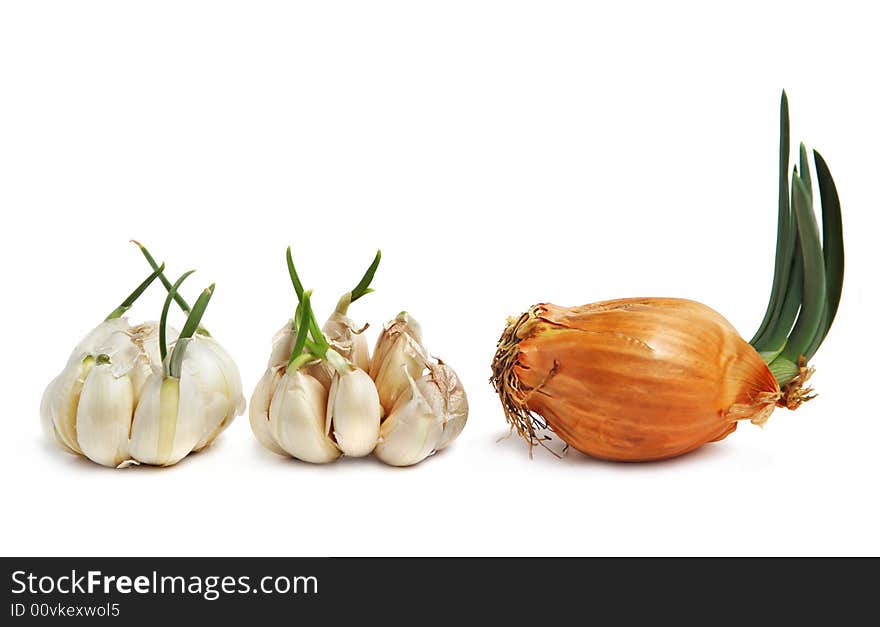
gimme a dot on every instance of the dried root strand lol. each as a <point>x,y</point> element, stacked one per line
<point>796,392</point>
<point>514,395</point>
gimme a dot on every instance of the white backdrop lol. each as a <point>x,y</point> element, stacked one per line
<point>500,154</point>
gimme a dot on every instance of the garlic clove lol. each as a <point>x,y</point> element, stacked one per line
<point>402,324</point>
<point>399,357</point>
<point>47,413</point>
<point>450,403</point>
<point>348,339</point>
<point>218,375</point>
<point>146,338</point>
<point>414,427</point>
<point>143,445</point>
<point>167,421</point>
<point>282,345</point>
<point>322,372</point>
<point>104,415</point>
<point>200,403</point>
<point>259,409</point>
<point>62,406</point>
<point>297,414</point>
<point>354,412</point>
<point>96,339</point>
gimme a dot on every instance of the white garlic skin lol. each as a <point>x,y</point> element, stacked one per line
<point>354,412</point>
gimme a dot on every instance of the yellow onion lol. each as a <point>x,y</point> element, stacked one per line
<point>650,378</point>
<point>632,379</point>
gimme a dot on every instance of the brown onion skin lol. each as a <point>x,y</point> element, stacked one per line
<point>640,379</point>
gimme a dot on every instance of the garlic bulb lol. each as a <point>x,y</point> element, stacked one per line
<point>399,356</point>
<point>424,400</point>
<point>120,400</point>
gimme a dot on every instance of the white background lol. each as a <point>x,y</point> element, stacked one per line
<point>500,154</point>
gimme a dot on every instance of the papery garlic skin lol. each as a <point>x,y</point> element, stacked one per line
<point>413,429</point>
<point>451,403</point>
<point>259,406</point>
<point>399,356</point>
<point>348,339</point>
<point>297,418</point>
<point>354,412</point>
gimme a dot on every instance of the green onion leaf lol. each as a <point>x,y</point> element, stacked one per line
<point>777,337</point>
<point>810,315</point>
<point>781,320</point>
<point>783,225</point>
<point>832,250</point>
<point>805,171</point>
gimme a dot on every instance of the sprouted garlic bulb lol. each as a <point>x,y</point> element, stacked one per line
<point>117,379</point>
<point>401,405</point>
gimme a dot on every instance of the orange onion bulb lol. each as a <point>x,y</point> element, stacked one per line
<point>634,379</point>
<point>641,379</point>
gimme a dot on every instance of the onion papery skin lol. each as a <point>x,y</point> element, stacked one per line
<point>635,379</point>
